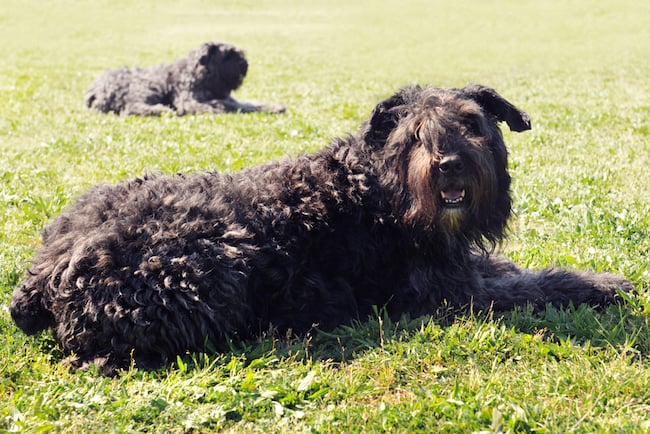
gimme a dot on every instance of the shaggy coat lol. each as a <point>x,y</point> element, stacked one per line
<point>403,215</point>
<point>198,83</point>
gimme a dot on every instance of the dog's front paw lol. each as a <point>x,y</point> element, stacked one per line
<point>272,108</point>
<point>264,107</point>
<point>608,287</point>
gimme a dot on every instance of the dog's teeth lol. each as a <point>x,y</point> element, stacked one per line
<point>456,199</point>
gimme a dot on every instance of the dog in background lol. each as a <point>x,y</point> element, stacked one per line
<point>199,83</point>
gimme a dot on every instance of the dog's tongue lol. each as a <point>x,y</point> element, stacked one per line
<point>452,195</point>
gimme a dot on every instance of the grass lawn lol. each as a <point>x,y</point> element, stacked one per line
<point>581,182</point>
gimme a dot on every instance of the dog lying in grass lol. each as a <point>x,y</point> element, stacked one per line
<point>199,83</point>
<point>403,215</point>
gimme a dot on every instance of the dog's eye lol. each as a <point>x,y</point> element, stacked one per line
<point>473,126</point>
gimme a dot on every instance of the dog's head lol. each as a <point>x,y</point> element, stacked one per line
<point>220,68</point>
<point>441,156</point>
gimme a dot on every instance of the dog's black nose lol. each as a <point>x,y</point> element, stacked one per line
<point>451,165</point>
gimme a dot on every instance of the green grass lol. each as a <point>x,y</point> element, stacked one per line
<point>580,185</point>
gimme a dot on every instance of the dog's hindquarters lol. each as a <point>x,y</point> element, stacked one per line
<point>27,309</point>
<point>30,306</point>
<point>108,93</point>
<point>128,91</point>
<point>115,283</point>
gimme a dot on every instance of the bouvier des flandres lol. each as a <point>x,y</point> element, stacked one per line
<point>404,215</point>
<point>198,83</point>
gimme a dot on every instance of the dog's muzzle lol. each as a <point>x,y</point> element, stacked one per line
<point>451,169</point>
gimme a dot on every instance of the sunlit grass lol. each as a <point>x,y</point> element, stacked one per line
<point>580,189</point>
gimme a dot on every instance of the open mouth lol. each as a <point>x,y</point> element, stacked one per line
<point>453,197</point>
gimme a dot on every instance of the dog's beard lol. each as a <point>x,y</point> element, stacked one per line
<point>442,210</point>
<point>449,208</point>
<point>452,219</point>
<point>452,208</point>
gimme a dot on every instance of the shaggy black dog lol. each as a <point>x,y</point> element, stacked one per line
<point>198,83</point>
<point>403,215</point>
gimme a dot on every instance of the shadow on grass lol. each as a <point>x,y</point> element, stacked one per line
<point>623,328</point>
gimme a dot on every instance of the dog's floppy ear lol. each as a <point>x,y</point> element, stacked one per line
<point>383,119</point>
<point>496,105</point>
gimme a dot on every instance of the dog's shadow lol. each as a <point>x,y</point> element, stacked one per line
<point>449,332</point>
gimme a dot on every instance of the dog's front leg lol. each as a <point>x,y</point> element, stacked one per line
<point>186,106</point>
<point>230,104</point>
<point>145,109</point>
<point>504,286</point>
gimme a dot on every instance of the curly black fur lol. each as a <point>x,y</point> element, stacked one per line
<point>198,83</point>
<point>404,215</point>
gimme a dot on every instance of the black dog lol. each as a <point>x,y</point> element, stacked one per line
<point>198,83</point>
<point>403,215</point>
